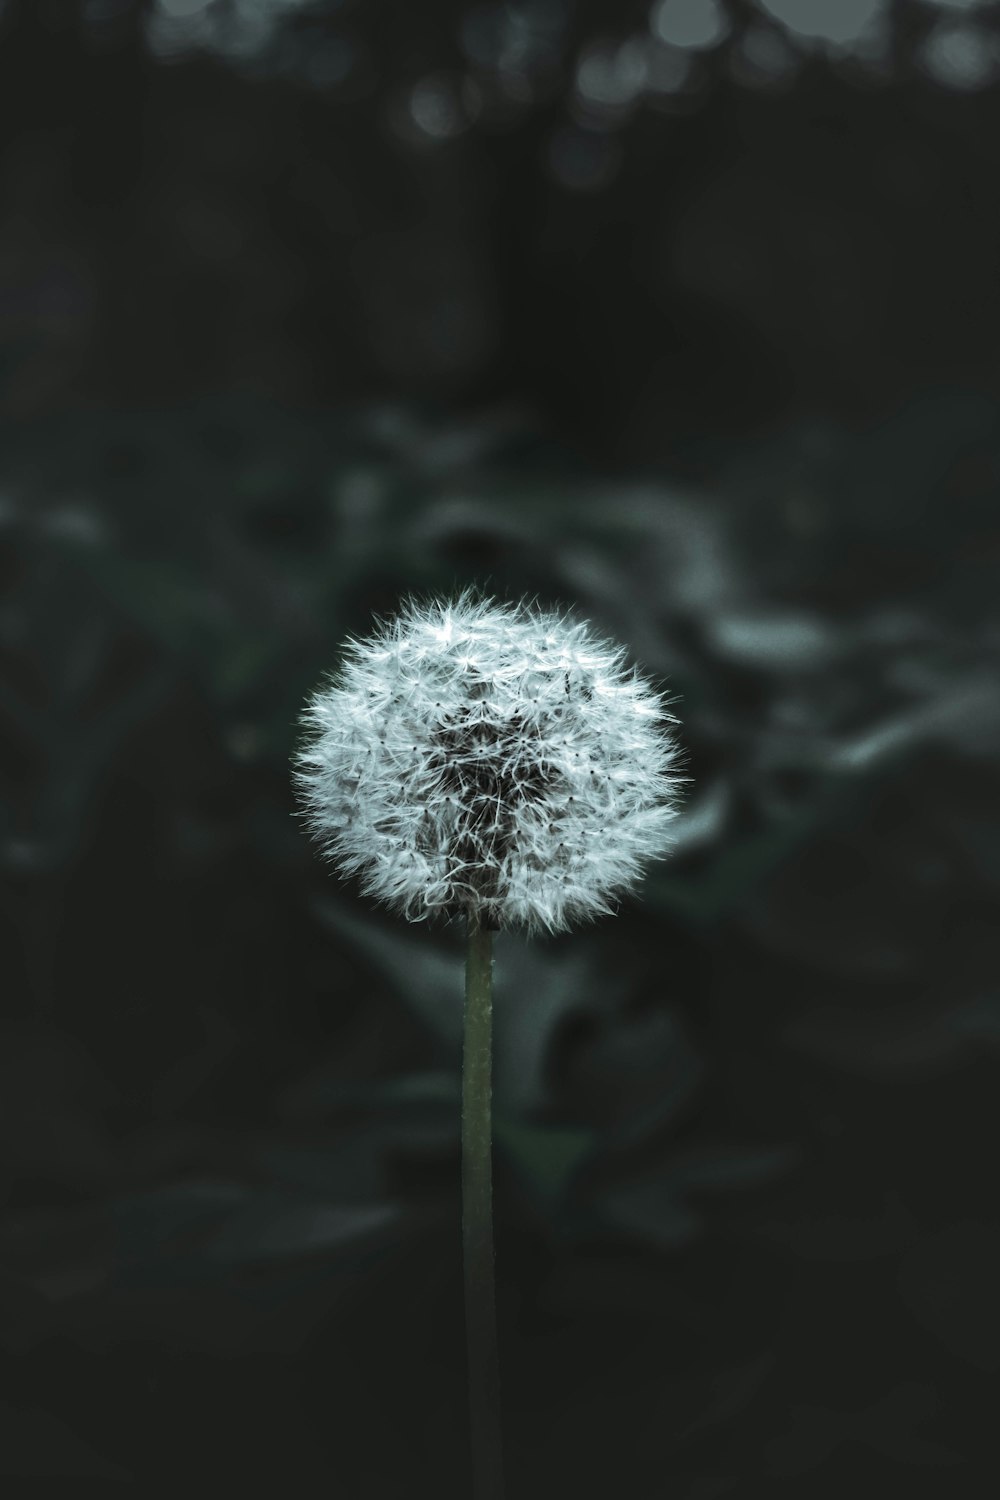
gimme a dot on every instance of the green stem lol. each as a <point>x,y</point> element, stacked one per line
<point>477,1217</point>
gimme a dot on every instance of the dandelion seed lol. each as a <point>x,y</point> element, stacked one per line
<point>511,714</point>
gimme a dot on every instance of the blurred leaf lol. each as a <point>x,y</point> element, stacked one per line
<point>273,1225</point>
<point>348,1167</point>
<point>738,868</point>
<point>656,1208</point>
<point>636,1074</point>
<point>181,1232</point>
<point>545,1157</point>
<point>967,716</point>
<point>777,641</point>
<point>419,1094</point>
<point>537,985</point>
<point>702,821</point>
<point>171,1222</point>
<point>415,967</point>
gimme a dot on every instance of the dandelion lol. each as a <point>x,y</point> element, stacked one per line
<point>490,759</point>
<point>502,762</point>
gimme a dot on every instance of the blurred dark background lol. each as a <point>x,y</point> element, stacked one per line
<point>686,314</point>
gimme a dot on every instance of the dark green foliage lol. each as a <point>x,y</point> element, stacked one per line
<point>742,1137</point>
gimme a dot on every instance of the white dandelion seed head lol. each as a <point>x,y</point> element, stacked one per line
<point>490,758</point>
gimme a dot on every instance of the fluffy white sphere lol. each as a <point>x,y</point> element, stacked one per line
<point>490,758</point>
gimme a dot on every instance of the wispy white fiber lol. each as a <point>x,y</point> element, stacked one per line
<point>472,755</point>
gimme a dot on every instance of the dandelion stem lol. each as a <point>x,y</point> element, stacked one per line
<point>477,1217</point>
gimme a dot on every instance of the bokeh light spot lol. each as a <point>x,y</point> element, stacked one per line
<point>959,56</point>
<point>436,109</point>
<point>839,21</point>
<point>514,39</point>
<point>612,78</point>
<point>763,58</point>
<point>688,23</point>
<point>668,69</point>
